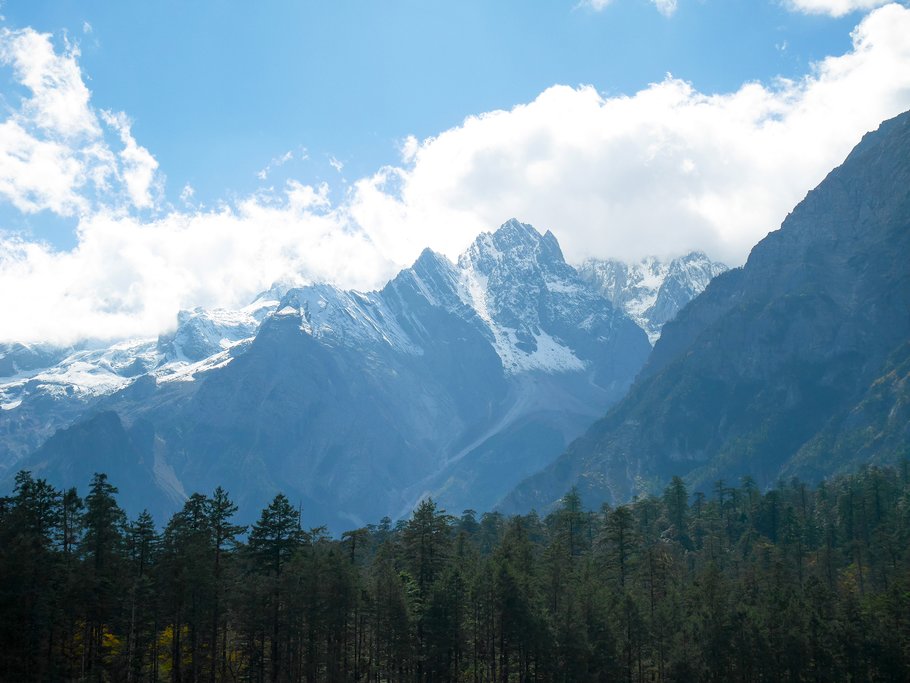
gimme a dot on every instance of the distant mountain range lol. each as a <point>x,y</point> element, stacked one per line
<point>796,364</point>
<point>456,380</point>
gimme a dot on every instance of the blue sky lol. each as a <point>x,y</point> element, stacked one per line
<point>164,155</point>
<point>218,90</point>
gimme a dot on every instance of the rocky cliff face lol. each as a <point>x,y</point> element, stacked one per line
<point>776,367</point>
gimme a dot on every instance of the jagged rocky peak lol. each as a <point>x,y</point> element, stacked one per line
<point>432,277</point>
<point>504,274</point>
<point>514,244</point>
<point>687,277</point>
<point>540,313</point>
<point>651,291</point>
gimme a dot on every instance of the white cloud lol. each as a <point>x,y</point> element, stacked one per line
<point>409,148</point>
<point>127,277</point>
<point>834,8</point>
<point>38,174</point>
<point>53,151</point>
<point>661,171</point>
<point>336,164</point>
<point>59,101</point>
<point>138,165</point>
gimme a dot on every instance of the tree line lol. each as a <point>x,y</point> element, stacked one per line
<point>797,583</point>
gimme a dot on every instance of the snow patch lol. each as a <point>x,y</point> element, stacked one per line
<point>549,355</point>
<point>352,318</point>
<point>180,371</point>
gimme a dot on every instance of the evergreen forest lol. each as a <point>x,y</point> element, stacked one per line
<point>797,583</point>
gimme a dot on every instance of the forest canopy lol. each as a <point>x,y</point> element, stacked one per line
<point>794,583</point>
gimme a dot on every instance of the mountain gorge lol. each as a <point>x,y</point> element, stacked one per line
<point>794,365</point>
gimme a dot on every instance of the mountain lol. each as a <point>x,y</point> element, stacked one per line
<point>455,380</point>
<point>651,292</point>
<point>43,388</point>
<point>795,364</point>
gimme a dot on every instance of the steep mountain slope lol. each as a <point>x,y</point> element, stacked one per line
<point>876,430</point>
<point>358,404</point>
<point>651,292</point>
<point>776,367</point>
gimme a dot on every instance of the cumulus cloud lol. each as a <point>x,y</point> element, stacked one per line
<point>38,174</point>
<point>53,151</point>
<point>664,170</point>
<point>127,277</point>
<point>138,165</point>
<point>661,171</point>
<point>834,8</point>
<point>59,101</point>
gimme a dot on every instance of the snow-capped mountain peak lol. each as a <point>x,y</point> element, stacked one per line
<point>651,292</point>
<point>518,283</point>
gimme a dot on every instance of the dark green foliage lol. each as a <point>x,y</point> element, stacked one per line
<point>794,584</point>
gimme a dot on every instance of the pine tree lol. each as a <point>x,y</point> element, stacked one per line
<point>142,545</point>
<point>219,510</point>
<point>102,552</point>
<point>427,543</point>
<point>273,541</point>
<point>29,566</point>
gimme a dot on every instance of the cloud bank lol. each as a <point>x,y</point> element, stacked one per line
<point>661,171</point>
